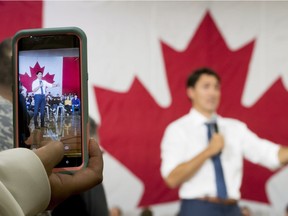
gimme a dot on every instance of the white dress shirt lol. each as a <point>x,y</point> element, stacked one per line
<point>36,83</point>
<point>187,137</point>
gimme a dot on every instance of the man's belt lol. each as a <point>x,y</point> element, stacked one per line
<point>219,201</point>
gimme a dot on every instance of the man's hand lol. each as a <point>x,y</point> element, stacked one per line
<point>216,144</point>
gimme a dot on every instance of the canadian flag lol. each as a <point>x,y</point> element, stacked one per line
<point>139,54</point>
<point>59,70</point>
<point>29,66</point>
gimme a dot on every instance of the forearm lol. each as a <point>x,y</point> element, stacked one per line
<point>186,170</point>
<point>283,155</point>
<point>36,89</point>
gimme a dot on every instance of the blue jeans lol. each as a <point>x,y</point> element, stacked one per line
<point>195,207</point>
<point>40,102</point>
<point>75,106</point>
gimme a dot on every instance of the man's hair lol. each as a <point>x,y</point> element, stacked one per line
<point>195,76</point>
<point>6,62</point>
<point>146,212</point>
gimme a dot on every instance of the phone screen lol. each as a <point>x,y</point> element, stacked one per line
<point>49,91</point>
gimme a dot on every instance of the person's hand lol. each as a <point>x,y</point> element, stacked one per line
<point>216,144</point>
<point>55,85</point>
<point>65,185</point>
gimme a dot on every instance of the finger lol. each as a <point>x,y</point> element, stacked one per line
<point>50,155</point>
<point>95,154</point>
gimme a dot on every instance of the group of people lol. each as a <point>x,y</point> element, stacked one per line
<point>70,102</point>
<point>66,103</point>
<point>39,99</point>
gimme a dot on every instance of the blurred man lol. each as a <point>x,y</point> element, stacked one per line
<point>203,152</point>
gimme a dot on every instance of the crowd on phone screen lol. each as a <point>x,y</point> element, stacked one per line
<point>70,103</point>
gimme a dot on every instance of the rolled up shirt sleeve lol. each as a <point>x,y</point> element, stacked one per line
<point>260,151</point>
<point>171,152</point>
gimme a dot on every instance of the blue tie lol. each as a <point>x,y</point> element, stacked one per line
<point>41,87</point>
<point>220,181</point>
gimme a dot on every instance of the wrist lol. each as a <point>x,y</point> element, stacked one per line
<point>208,152</point>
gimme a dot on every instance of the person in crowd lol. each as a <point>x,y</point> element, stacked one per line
<point>68,105</point>
<point>245,211</point>
<point>28,103</point>
<point>24,119</point>
<point>202,152</point>
<point>55,102</point>
<point>6,109</point>
<point>115,211</point>
<point>146,212</point>
<point>49,95</point>
<point>75,103</point>
<point>49,105</point>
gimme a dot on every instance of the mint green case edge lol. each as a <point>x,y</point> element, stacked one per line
<point>84,78</point>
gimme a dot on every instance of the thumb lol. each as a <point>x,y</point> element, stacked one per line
<point>50,155</point>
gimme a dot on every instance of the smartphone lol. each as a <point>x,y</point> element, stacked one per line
<point>50,92</point>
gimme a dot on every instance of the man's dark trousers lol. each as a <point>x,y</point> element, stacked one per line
<point>40,102</point>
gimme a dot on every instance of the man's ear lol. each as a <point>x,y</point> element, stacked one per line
<point>190,93</point>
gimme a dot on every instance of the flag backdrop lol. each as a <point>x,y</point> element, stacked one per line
<point>60,70</point>
<point>51,68</point>
<point>139,55</point>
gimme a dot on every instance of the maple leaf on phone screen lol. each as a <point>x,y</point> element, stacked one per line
<point>27,80</point>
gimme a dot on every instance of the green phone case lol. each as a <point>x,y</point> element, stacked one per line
<point>84,80</point>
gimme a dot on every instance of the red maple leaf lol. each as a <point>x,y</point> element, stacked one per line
<point>27,80</point>
<point>132,123</point>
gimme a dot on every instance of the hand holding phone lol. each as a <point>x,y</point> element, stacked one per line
<point>52,63</point>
